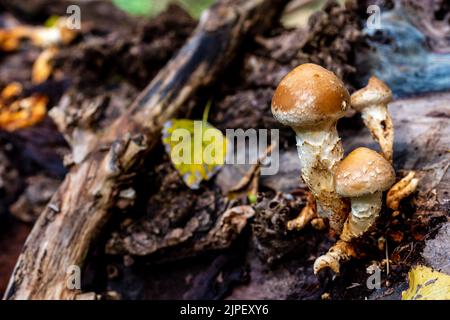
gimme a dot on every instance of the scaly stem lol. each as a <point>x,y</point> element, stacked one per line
<point>365,210</point>
<point>320,151</point>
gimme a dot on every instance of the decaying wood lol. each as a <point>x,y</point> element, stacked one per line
<point>67,227</point>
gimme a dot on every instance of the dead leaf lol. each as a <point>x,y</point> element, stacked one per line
<point>12,90</point>
<point>43,37</point>
<point>43,66</point>
<point>23,112</point>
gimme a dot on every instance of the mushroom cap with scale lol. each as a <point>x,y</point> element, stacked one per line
<point>363,172</point>
<point>309,95</point>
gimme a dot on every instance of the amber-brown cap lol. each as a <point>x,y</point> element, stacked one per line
<point>363,172</point>
<point>309,95</point>
<point>375,93</point>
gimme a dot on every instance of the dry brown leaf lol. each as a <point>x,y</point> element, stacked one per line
<point>23,112</point>
<point>43,37</point>
<point>12,90</point>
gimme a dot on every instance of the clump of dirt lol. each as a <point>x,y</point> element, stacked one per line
<point>334,33</point>
<point>270,236</point>
<point>134,56</point>
<point>175,217</point>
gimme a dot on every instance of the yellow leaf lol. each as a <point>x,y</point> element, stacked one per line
<point>427,284</point>
<point>197,149</point>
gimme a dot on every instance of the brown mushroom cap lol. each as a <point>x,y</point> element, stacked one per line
<point>363,172</point>
<point>375,93</point>
<point>309,95</point>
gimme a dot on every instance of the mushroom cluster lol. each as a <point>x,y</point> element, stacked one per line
<point>311,99</point>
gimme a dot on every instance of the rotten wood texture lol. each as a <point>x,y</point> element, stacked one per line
<point>67,227</point>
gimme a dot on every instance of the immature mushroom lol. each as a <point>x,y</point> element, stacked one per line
<point>372,102</point>
<point>362,176</point>
<point>311,99</point>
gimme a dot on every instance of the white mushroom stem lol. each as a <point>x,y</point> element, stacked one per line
<point>320,151</point>
<point>364,212</point>
<point>379,121</point>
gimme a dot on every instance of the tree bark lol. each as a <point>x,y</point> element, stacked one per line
<point>77,212</point>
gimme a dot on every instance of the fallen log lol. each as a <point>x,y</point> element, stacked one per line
<point>69,224</point>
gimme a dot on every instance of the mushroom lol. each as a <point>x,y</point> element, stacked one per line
<point>402,189</point>
<point>311,99</point>
<point>372,102</point>
<point>362,176</point>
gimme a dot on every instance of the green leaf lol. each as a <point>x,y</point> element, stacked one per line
<point>153,7</point>
<point>142,7</point>
<point>195,7</point>
<point>51,21</point>
<point>252,198</point>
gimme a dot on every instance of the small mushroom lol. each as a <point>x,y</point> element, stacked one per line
<point>311,99</point>
<point>362,176</point>
<point>372,102</point>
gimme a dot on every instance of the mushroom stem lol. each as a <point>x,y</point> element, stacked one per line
<point>320,151</point>
<point>341,251</point>
<point>365,211</point>
<point>379,121</point>
<point>372,102</point>
<point>362,176</point>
